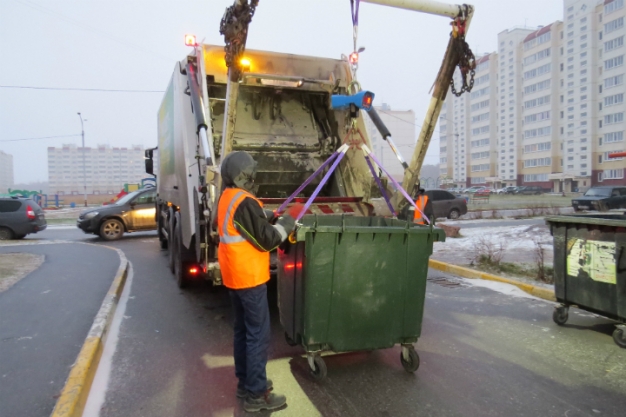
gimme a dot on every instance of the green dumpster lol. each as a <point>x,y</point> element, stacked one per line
<point>354,283</point>
<point>590,267</point>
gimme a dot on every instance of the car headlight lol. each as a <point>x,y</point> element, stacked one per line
<point>91,215</point>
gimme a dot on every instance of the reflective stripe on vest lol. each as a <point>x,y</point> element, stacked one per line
<point>225,237</point>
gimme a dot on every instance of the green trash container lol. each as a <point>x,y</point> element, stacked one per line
<point>354,283</point>
<point>590,267</point>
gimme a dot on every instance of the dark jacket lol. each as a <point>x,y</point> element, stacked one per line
<point>252,223</point>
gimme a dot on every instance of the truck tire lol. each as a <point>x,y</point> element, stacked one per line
<point>181,256</point>
<point>171,241</point>
<point>160,226</point>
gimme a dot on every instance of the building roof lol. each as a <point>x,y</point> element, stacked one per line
<point>539,32</point>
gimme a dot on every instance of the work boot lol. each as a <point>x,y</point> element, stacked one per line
<point>242,393</point>
<point>267,401</point>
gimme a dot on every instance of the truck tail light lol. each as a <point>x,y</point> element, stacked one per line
<point>30,213</point>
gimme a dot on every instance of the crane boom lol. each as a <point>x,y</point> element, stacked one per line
<point>442,83</point>
<point>425,6</point>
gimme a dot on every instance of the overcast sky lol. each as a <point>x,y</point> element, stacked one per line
<point>134,44</point>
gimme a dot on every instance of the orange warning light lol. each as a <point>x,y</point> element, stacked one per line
<point>245,63</point>
<point>354,58</point>
<point>190,40</point>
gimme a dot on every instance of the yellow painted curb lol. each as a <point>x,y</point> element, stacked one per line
<point>72,401</point>
<point>471,273</point>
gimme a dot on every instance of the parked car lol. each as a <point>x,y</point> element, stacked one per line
<point>472,190</point>
<point>511,189</point>
<point>529,190</point>
<point>601,198</point>
<point>132,213</point>
<point>500,191</point>
<point>20,217</point>
<point>446,204</point>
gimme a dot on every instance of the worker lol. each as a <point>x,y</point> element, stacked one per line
<point>424,205</point>
<point>246,239</point>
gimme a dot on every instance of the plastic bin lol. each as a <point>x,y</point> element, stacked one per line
<point>354,283</point>
<point>590,267</point>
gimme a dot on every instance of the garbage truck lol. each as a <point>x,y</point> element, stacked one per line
<point>277,107</point>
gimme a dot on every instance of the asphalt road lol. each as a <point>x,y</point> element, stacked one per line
<point>483,353</point>
<point>44,319</point>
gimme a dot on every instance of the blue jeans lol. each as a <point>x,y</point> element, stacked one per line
<point>252,337</point>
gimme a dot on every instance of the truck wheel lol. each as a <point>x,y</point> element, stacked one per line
<point>111,229</point>
<point>454,214</point>
<point>180,267</point>
<point>6,233</point>
<point>171,241</point>
<point>160,225</point>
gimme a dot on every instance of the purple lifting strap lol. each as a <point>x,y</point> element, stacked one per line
<point>320,185</point>
<point>307,182</point>
<point>355,12</point>
<point>380,186</point>
<point>399,187</point>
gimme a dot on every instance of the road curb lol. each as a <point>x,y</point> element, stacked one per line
<point>539,292</point>
<point>76,390</point>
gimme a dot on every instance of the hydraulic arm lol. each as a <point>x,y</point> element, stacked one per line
<point>457,54</point>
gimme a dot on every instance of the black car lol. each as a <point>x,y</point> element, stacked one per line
<point>446,204</point>
<point>132,213</point>
<point>20,217</point>
<point>601,198</point>
<point>529,190</point>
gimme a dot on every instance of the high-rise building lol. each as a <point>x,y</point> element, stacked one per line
<point>557,93</point>
<point>6,172</point>
<point>106,168</point>
<point>610,16</point>
<point>401,124</point>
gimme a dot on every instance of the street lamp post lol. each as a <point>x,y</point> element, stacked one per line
<point>82,133</point>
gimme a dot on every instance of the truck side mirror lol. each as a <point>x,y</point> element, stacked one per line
<point>149,166</point>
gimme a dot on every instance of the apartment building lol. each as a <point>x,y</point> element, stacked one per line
<point>6,172</point>
<point>539,155</point>
<point>510,94</point>
<point>106,168</point>
<point>401,124</point>
<point>610,16</point>
<point>482,128</point>
<point>559,104</point>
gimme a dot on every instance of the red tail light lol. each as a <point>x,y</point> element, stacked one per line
<point>30,213</point>
<point>289,267</point>
<point>193,270</point>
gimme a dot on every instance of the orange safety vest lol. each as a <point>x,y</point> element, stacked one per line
<point>421,202</point>
<point>242,265</point>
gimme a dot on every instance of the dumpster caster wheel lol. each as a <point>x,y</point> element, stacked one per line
<point>290,341</point>
<point>410,359</point>
<point>560,315</point>
<point>619,337</point>
<point>318,367</point>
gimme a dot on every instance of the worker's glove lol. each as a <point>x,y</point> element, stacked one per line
<point>287,222</point>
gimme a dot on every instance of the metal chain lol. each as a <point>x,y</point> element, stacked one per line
<point>234,27</point>
<point>467,61</point>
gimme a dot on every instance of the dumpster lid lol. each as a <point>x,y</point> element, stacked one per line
<point>616,220</point>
